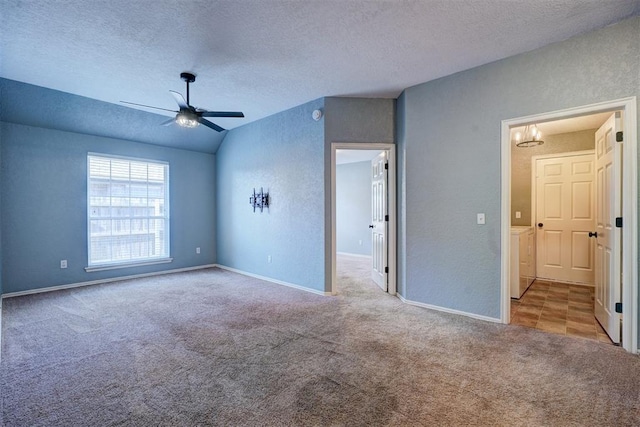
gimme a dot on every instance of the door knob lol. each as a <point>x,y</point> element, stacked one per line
<point>372,226</point>
<point>593,234</point>
<point>540,225</point>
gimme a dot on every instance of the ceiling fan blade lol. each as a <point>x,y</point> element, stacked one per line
<point>221,114</point>
<point>180,100</point>
<point>211,125</point>
<point>147,106</point>
<point>168,122</point>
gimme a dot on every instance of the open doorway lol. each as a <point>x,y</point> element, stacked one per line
<point>363,211</point>
<point>560,202</point>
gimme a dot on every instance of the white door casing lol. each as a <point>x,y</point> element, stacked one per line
<point>378,220</point>
<point>392,250</point>
<point>565,215</point>
<point>608,196</point>
<point>629,247</point>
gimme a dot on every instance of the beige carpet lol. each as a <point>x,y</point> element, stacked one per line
<point>212,347</point>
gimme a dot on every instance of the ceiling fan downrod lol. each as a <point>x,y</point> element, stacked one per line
<point>189,78</point>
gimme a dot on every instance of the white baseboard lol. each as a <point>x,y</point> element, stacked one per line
<point>449,310</point>
<point>356,255</point>
<point>552,281</point>
<point>276,281</point>
<point>97,282</point>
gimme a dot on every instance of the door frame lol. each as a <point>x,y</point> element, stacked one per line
<point>534,188</point>
<point>391,201</point>
<point>629,207</point>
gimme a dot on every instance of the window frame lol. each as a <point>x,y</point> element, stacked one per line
<point>111,264</point>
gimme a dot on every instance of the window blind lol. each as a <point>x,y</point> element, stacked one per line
<point>128,210</point>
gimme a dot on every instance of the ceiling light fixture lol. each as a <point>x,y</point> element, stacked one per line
<point>531,137</point>
<point>187,120</point>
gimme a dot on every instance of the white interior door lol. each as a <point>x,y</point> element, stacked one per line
<point>565,214</point>
<point>608,196</point>
<point>378,220</point>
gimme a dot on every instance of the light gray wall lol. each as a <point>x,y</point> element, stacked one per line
<point>284,154</point>
<point>451,137</point>
<point>359,119</point>
<point>290,154</point>
<point>352,120</point>
<point>1,286</point>
<point>43,187</point>
<point>521,167</point>
<point>401,192</point>
<point>353,208</point>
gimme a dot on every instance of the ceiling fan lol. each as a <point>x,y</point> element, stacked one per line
<point>189,116</point>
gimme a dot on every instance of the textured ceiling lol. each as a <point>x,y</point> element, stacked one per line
<point>265,56</point>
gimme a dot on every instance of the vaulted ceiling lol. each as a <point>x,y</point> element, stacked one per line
<point>265,56</point>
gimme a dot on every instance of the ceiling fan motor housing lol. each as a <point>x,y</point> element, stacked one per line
<point>188,77</point>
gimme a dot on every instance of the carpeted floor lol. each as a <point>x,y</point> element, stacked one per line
<point>212,347</point>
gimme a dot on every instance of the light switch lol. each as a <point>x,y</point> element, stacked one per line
<point>518,214</point>
<point>481,219</point>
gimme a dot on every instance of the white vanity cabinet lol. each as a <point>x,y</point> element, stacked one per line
<point>522,268</point>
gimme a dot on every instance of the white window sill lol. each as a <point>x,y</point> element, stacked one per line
<point>127,265</point>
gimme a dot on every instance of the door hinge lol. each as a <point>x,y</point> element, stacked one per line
<point>386,217</point>
<point>386,269</point>
<point>619,222</point>
<point>618,307</point>
<point>619,136</point>
<point>386,165</point>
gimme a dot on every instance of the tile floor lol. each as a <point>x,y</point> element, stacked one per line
<point>560,309</point>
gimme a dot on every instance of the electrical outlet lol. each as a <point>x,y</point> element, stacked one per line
<point>518,215</point>
<point>63,263</point>
<point>197,250</point>
<point>360,242</point>
<point>269,259</point>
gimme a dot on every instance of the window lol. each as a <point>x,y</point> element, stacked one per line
<point>128,211</point>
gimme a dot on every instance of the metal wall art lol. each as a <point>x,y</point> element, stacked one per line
<point>259,200</point>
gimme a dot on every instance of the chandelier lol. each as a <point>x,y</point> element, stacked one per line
<point>531,137</point>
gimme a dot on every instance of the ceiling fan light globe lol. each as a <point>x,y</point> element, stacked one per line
<point>186,120</point>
